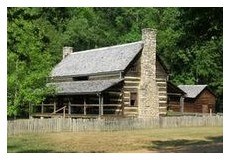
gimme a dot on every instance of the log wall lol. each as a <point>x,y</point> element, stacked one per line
<point>161,78</point>
<point>131,85</point>
<point>202,104</point>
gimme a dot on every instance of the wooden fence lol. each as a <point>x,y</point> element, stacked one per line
<point>82,125</point>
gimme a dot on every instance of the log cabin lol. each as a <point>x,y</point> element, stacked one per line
<point>197,99</point>
<point>128,80</point>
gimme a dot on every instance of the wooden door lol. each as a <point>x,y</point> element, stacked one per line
<point>205,109</point>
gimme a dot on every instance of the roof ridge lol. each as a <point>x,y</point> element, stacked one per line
<point>95,80</point>
<point>108,47</point>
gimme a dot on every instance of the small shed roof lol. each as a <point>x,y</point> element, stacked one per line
<point>174,90</point>
<point>102,60</point>
<point>84,87</point>
<point>192,90</point>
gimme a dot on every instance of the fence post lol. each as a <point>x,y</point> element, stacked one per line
<point>83,125</point>
<point>161,122</point>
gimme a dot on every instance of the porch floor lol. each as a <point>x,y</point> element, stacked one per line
<point>60,115</point>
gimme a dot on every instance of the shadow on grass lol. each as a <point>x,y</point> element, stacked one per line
<point>209,145</point>
<point>36,151</point>
<point>51,151</point>
<point>17,149</point>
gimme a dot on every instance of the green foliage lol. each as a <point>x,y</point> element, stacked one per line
<point>189,40</point>
<point>29,61</point>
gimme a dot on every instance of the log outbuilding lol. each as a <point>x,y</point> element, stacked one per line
<point>197,99</point>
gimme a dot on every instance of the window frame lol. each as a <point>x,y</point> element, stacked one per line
<point>135,100</point>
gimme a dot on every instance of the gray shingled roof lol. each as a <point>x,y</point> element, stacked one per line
<point>83,87</point>
<point>192,90</point>
<point>107,59</point>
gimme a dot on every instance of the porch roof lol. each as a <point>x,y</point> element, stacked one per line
<point>83,87</point>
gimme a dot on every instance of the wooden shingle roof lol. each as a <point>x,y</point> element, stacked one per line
<point>83,87</point>
<point>192,90</point>
<point>174,90</point>
<point>102,60</point>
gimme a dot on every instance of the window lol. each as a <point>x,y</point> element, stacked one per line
<point>133,99</point>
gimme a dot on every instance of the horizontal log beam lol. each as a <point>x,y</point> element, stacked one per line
<point>94,105</point>
<point>130,87</point>
<point>117,93</point>
<point>129,77</point>
<point>130,81</point>
<point>115,100</point>
<point>137,79</point>
<point>132,84</point>
<point>160,80</point>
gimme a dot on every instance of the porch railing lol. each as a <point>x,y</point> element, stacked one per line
<point>84,109</point>
<point>63,108</point>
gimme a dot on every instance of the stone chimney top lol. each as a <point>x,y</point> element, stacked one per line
<point>67,51</point>
<point>149,35</point>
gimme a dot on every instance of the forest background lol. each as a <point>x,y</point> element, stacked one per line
<point>189,40</point>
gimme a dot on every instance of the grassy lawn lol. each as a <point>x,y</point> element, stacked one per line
<point>189,140</point>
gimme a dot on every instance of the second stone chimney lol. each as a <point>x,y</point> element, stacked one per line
<point>67,51</point>
<point>148,91</point>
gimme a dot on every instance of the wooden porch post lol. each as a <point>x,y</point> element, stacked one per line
<point>84,106</point>
<point>42,110</point>
<point>100,105</point>
<point>102,99</point>
<point>182,104</point>
<point>69,107</point>
<point>64,111</point>
<point>55,106</point>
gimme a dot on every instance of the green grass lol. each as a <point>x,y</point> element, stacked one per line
<point>198,140</point>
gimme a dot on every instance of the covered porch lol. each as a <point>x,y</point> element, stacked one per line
<point>82,99</point>
<point>175,98</point>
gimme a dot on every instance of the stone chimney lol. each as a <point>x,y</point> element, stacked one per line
<point>67,51</point>
<point>148,91</point>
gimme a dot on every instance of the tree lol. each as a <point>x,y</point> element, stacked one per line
<point>28,60</point>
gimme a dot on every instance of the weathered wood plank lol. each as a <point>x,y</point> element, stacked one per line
<point>131,89</point>
<point>84,124</point>
<point>132,84</point>
<point>130,77</point>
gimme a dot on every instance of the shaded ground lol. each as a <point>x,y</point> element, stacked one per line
<point>180,140</point>
<point>209,145</point>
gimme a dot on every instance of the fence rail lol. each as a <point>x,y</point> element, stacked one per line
<point>82,125</point>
